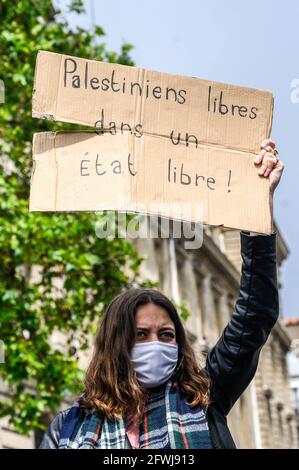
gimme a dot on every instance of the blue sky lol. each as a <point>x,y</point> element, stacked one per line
<point>253,44</point>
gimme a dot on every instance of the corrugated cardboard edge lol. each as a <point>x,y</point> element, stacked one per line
<point>50,61</point>
<point>43,151</point>
<point>42,72</point>
<point>51,114</point>
<point>271,228</point>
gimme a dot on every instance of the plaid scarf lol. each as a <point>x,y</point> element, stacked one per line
<point>168,422</point>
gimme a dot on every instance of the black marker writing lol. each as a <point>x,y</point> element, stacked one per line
<point>217,104</point>
<point>98,167</point>
<point>117,84</point>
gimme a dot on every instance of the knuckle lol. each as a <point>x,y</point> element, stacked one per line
<point>268,143</point>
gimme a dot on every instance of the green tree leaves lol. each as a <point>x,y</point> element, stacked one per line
<point>55,274</point>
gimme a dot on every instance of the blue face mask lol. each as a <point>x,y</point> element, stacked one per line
<point>154,362</point>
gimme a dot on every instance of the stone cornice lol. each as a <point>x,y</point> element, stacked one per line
<point>282,334</point>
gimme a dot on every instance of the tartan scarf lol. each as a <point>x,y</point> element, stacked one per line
<point>168,422</point>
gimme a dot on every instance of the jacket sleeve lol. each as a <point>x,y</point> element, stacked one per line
<point>233,361</point>
<point>51,437</point>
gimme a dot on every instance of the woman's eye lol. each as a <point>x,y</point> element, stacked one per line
<point>168,334</point>
<point>140,333</point>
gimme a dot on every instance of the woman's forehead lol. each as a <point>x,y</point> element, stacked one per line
<point>149,313</point>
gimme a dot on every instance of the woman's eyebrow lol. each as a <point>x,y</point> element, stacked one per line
<point>168,327</point>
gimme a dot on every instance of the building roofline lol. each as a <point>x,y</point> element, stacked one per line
<point>282,333</point>
<point>282,246</point>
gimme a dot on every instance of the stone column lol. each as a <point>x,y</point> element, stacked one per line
<point>174,284</point>
<point>210,326</point>
<point>166,283</point>
<point>264,389</point>
<point>224,310</point>
<point>148,268</point>
<point>190,293</point>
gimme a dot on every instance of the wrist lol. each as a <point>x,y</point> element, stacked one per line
<point>271,209</point>
<point>255,234</point>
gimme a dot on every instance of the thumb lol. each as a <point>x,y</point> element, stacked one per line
<point>275,175</point>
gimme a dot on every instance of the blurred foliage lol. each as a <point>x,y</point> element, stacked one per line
<point>182,309</point>
<point>55,274</point>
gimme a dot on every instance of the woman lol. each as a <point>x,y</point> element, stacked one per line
<point>143,387</point>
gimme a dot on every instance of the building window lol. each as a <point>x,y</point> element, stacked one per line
<point>217,315</point>
<point>279,407</point>
<point>268,395</point>
<point>269,412</point>
<point>159,255</point>
<point>221,242</point>
<point>290,428</point>
<point>295,391</point>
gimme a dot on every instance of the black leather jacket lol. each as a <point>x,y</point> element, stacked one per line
<point>232,362</point>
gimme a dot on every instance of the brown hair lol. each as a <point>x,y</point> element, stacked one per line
<point>110,381</point>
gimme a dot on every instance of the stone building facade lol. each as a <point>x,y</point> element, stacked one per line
<point>207,279</point>
<point>292,326</point>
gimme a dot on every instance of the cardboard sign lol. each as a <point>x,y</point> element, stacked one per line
<point>190,141</point>
<point>85,171</point>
